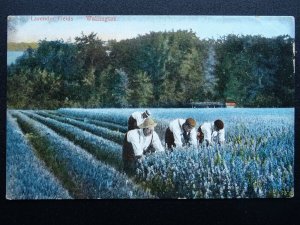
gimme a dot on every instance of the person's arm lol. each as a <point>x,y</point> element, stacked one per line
<point>194,137</point>
<point>221,136</point>
<point>133,139</point>
<point>157,143</point>
<point>177,135</point>
<point>207,135</point>
<point>176,130</point>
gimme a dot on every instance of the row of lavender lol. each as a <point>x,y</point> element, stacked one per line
<point>257,161</point>
<point>27,176</point>
<point>77,170</point>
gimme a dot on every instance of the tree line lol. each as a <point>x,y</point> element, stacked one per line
<point>159,69</point>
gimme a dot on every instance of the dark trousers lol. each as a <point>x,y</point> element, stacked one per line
<point>200,135</point>
<point>169,139</point>
<point>132,124</point>
<point>129,158</point>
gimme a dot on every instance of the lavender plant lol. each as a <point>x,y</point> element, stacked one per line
<point>99,131</point>
<point>103,149</point>
<point>26,175</point>
<point>88,120</point>
<point>93,178</point>
<point>108,115</point>
<point>257,160</point>
<point>230,171</point>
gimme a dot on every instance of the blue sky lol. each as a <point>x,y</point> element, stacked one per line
<point>34,28</point>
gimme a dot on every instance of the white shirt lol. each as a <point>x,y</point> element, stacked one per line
<point>176,127</point>
<point>211,135</point>
<point>138,117</point>
<point>140,142</point>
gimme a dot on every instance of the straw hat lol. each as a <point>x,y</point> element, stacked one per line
<point>148,122</point>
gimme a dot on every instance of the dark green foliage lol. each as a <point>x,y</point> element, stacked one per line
<point>34,89</point>
<point>140,93</point>
<point>171,60</point>
<point>113,90</point>
<point>159,69</point>
<point>256,71</point>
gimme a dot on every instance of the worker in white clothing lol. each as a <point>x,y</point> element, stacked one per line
<point>211,132</point>
<point>181,132</point>
<point>138,143</point>
<point>136,119</point>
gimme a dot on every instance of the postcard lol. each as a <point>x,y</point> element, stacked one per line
<point>150,107</point>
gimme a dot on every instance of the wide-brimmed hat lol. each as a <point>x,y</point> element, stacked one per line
<point>148,122</point>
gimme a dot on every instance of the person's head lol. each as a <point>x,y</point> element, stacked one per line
<point>148,126</point>
<point>189,124</point>
<point>146,114</point>
<point>219,125</point>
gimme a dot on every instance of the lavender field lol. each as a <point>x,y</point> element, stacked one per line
<point>76,153</point>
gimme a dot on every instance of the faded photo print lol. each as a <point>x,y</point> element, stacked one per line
<point>150,107</point>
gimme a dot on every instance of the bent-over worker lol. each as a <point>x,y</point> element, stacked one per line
<point>136,119</point>
<point>181,132</point>
<point>211,132</point>
<point>140,142</point>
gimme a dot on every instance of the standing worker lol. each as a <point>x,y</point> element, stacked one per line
<point>181,133</point>
<point>211,132</point>
<point>139,142</point>
<point>136,119</point>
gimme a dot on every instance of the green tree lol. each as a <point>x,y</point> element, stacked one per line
<point>163,55</point>
<point>113,91</point>
<point>251,70</point>
<point>168,90</point>
<point>284,88</point>
<point>191,75</point>
<point>46,89</point>
<point>18,91</point>
<point>93,59</point>
<point>141,90</point>
<point>120,88</point>
<point>210,79</point>
<point>166,69</point>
